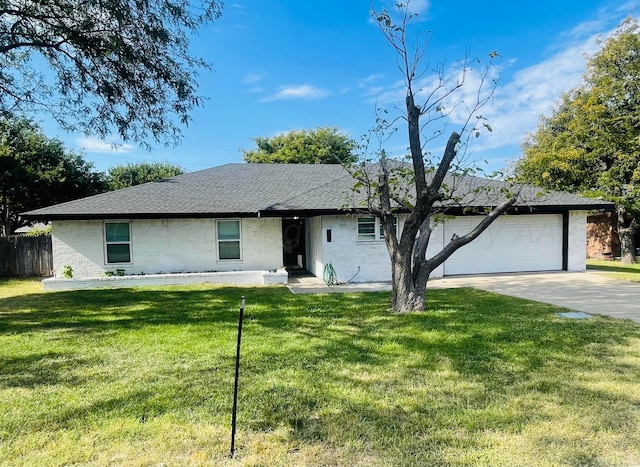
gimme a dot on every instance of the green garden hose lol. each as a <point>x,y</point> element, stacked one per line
<point>330,277</point>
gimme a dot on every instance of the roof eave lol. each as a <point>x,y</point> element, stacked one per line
<point>144,215</point>
<point>454,210</point>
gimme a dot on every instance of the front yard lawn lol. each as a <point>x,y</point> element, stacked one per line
<point>615,269</point>
<point>144,377</point>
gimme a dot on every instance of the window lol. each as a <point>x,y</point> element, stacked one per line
<point>229,240</point>
<point>117,237</point>
<point>368,226</point>
<point>380,231</point>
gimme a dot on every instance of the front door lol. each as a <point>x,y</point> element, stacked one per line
<point>293,243</point>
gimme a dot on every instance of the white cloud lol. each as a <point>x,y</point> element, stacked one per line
<point>94,145</point>
<point>611,13</point>
<point>252,78</point>
<point>370,80</point>
<point>532,92</point>
<point>629,8</point>
<point>238,8</point>
<point>526,94</point>
<point>391,94</point>
<point>418,6</point>
<point>366,84</point>
<point>300,91</point>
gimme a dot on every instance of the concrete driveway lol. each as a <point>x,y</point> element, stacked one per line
<point>589,292</point>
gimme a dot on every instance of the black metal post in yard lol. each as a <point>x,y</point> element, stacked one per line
<point>235,384</point>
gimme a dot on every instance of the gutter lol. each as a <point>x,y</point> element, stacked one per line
<point>453,210</point>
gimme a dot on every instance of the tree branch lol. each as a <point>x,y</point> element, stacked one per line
<point>457,242</point>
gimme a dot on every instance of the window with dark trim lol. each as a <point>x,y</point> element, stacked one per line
<point>229,241</point>
<point>117,240</point>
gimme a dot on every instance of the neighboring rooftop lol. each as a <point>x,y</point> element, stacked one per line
<point>252,190</point>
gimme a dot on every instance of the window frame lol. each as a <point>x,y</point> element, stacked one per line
<point>227,240</point>
<point>378,234</point>
<point>366,220</point>
<point>379,224</point>
<point>106,243</point>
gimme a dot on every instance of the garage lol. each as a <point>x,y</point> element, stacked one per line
<point>514,243</point>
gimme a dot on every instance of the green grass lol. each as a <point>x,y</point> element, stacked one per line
<point>144,377</point>
<point>10,287</point>
<point>615,269</point>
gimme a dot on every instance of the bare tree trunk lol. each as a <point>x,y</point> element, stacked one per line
<point>627,246</point>
<point>408,295</point>
<point>411,268</point>
<point>5,223</point>
<point>626,232</point>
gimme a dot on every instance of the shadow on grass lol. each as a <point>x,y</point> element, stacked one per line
<point>612,268</point>
<point>470,328</point>
<point>35,369</point>
<point>100,310</point>
<point>473,330</point>
<point>498,348</point>
<point>337,368</point>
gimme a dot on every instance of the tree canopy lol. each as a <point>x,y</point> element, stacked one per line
<point>119,65</point>
<point>323,145</point>
<point>36,171</point>
<point>122,176</point>
<point>590,144</point>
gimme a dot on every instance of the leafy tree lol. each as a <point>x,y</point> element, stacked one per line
<point>421,186</point>
<point>122,176</point>
<point>591,142</point>
<point>36,171</point>
<point>320,146</point>
<point>120,65</point>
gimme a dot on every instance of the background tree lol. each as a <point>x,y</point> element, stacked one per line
<point>591,142</point>
<point>420,187</point>
<point>119,65</point>
<point>36,171</point>
<point>323,145</point>
<point>122,176</point>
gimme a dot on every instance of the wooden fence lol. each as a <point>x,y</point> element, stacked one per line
<point>26,256</point>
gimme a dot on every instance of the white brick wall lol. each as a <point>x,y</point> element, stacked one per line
<point>261,244</point>
<point>346,253</point>
<point>577,241</point>
<point>189,245</point>
<point>166,245</point>
<point>78,244</point>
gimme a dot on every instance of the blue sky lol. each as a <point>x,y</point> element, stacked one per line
<point>285,65</point>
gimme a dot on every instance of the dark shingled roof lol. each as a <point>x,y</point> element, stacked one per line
<point>245,190</point>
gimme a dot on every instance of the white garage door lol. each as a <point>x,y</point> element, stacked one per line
<point>510,244</point>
